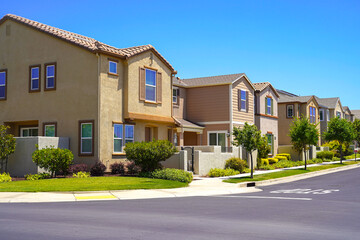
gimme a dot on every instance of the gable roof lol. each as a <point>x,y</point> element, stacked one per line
<point>356,114</point>
<point>85,42</point>
<point>282,92</point>
<point>299,99</point>
<point>211,81</point>
<point>329,102</point>
<point>261,86</point>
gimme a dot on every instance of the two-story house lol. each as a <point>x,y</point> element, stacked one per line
<point>266,113</point>
<point>348,115</point>
<point>58,83</point>
<point>206,109</point>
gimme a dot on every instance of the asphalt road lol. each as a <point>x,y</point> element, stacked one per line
<point>324,207</point>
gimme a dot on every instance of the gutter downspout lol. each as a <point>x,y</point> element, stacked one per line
<point>99,102</point>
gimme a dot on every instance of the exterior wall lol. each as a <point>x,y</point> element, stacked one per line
<point>313,104</point>
<point>338,109</point>
<point>76,94</point>
<point>208,104</point>
<point>260,98</point>
<point>215,127</point>
<point>179,109</point>
<point>269,125</point>
<point>240,116</point>
<point>284,122</point>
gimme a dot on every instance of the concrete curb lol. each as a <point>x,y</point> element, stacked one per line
<point>296,177</point>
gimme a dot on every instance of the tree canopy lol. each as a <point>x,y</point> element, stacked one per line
<point>7,145</point>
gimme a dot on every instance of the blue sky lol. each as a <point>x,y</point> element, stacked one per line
<point>305,47</point>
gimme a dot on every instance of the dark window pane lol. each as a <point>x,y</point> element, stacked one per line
<point>86,145</point>
<point>50,82</point>
<point>35,73</point>
<point>2,78</point>
<point>129,131</point>
<point>86,130</point>
<point>212,140</point>
<point>243,104</point>
<point>113,67</point>
<point>117,145</point>
<point>35,84</point>
<point>150,77</point>
<point>50,71</point>
<point>150,93</point>
<point>118,131</point>
<point>50,131</point>
<point>2,91</point>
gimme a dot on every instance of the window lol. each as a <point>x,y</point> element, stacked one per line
<point>217,139</point>
<point>150,85</point>
<point>270,139</point>
<point>312,115</point>
<point>175,95</point>
<point>113,67</point>
<point>118,138</point>
<point>50,76</point>
<point>29,132</point>
<point>86,137</point>
<point>321,113</point>
<point>290,111</point>
<point>243,98</point>
<point>3,84</point>
<point>49,129</point>
<point>34,78</point>
<point>328,115</point>
<point>268,106</point>
<point>338,114</point>
<point>129,133</point>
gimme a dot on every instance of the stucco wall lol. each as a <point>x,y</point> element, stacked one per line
<point>267,92</point>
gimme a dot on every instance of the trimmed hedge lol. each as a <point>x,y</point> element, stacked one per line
<point>325,155</point>
<point>273,160</point>
<point>264,162</point>
<point>218,172</point>
<point>281,157</point>
<point>173,174</point>
<point>236,164</point>
<point>287,155</point>
<point>39,176</point>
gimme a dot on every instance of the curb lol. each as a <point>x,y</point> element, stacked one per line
<point>297,177</point>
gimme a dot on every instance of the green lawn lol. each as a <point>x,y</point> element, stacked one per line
<point>286,173</point>
<point>88,184</point>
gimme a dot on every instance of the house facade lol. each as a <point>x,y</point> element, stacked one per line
<point>266,113</point>
<point>58,83</point>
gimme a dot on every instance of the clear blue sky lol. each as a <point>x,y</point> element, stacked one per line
<point>305,47</point>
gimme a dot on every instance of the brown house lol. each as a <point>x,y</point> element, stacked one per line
<point>57,83</point>
<point>206,109</point>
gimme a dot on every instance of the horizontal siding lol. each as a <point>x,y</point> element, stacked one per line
<point>239,116</point>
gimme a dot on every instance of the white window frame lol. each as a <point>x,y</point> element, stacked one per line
<point>268,106</point>
<point>328,115</point>
<point>132,139</point>
<point>4,85</point>
<point>217,132</point>
<point>49,125</point>
<point>38,78</point>
<point>176,96</point>
<point>115,67</point>
<point>49,76</point>
<point>312,115</point>
<point>149,85</point>
<point>243,100</point>
<point>28,128</point>
<point>118,138</point>
<point>83,138</point>
<point>321,111</point>
<point>287,111</point>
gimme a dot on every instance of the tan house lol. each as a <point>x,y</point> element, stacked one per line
<point>356,114</point>
<point>206,109</point>
<point>291,106</point>
<point>266,113</point>
<point>57,83</point>
<point>348,115</point>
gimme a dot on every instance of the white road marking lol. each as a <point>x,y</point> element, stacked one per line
<point>264,197</point>
<point>306,191</point>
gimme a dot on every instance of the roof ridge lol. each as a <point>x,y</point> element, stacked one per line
<point>214,76</point>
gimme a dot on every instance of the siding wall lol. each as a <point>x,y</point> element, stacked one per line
<point>240,116</point>
<point>179,110</point>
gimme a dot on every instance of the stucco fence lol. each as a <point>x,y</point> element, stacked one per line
<point>310,153</point>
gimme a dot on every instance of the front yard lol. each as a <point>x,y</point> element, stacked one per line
<point>89,184</point>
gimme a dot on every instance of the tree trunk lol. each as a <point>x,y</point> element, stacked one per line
<point>6,164</point>
<point>341,153</point>
<point>305,156</point>
<point>252,165</point>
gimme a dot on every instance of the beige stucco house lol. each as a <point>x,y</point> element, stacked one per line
<point>206,109</point>
<point>266,113</point>
<point>57,83</point>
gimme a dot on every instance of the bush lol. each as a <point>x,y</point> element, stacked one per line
<point>325,155</point>
<point>217,172</point>
<point>236,164</point>
<point>81,175</point>
<point>39,176</point>
<point>131,168</point>
<point>117,168</point>
<point>263,161</point>
<point>98,169</point>
<point>173,174</point>
<point>273,160</point>
<point>82,167</point>
<point>5,177</point>
<point>263,148</point>
<point>148,155</point>
<point>281,157</point>
<point>266,167</point>
<point>53,159</point>
<point>315,161</point>
<point>287,164</point>
<point>287,155</point>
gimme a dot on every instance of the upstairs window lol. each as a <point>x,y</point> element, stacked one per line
<point>50,76</point>
<point>86,138</point>
<point>129,134</point>
<point>312,115</point>
<point>118,138</point>
<point>243,100</point>
<point>175,95</point>
<point>113,67</point>
<point>3,81</point>
<point>34,78</point>
<point>321,114</point>
<point>150,85</point>
<point>338,114</point>
<point>290,111</point>
<point>269,106</point>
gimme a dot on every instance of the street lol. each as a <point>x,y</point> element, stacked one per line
<point>323,207</point>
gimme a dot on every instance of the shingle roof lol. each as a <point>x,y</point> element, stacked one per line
<point>328,102</point>
<point>300,99</point>
<point>83,41</point>
<point>356,113</point>
<point>261,86</point>
<point>185,123</point>
<point>282,92</point>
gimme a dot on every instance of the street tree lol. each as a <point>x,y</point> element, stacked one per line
<point>303,134</point>
<point>7,146</point>
<point>248,137</point>
<point>340,130</point>
<point>356,129</point>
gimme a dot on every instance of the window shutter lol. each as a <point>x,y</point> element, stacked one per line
<point>247,101</point>
<point>239,99</point>
<point>158,87</point>
<point>272,107</point>
<point>266,105</point>
<point>142,84</point>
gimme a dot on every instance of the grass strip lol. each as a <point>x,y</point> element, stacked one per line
<point>286,173</point>
<point>88,184</point>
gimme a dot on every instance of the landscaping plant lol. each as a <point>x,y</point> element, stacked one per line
<point>218,172</point>
<point>236,164</point>
<point>7,146</point>
<point>117,168</point>
<point>98,169</point>
<point>173,174</point>
<point>5,177</point>
<point>39,176</point>
<point>356,128</point>
<point>131,168</point>
<point>263,148</point>
<point>81,175</point>
<point>75,168</point>
<point>325,155</point>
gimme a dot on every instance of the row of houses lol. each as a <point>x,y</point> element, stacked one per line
<point>56,83</point>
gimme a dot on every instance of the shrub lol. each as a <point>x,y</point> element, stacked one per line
<point>325,155</point>
<point>173,174</point>
<point>53,159</point>
<point>236,164</point>
<point>287,155</point>
<point>273,160</point>
<point>336,159</point>
<point>132,168</point>
<point>98,169</point>
<point>117,168</point>
<point>81,175</point>
<point>263,148</point>
<point>39,176</point>
<point>82,167</point>
<point>266,167</point>
<point>315,161</point>
<point>148,155</point>
<point>281,157</point>
<point>287,164</point>
<point>218,172</point>
<point>5,177</point>
<point>264,161</point>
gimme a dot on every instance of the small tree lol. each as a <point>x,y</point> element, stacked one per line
<point>356,128</point>
<point>340,130</point>
<point>248,137</point>
<point>148,155</point>
<point>303,134</point>
<point>7,146</point>
<point>264,148</point>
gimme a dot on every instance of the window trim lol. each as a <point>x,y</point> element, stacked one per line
<point>122,138</point>
<point>46,88</point>
<point>81,154</point>
<point>27,127</point>
<point>312,115</point>
<point>49,124</point>
<point>241,100</point>
<point>323,116</point>
<point>154,86</point>
<point>267,106</point>
<point>116,63</point>
<point>287,111</point>
<point>6,76</point>
<point>217,132</point>
<point>177,95</point>
<point>31,79</point>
